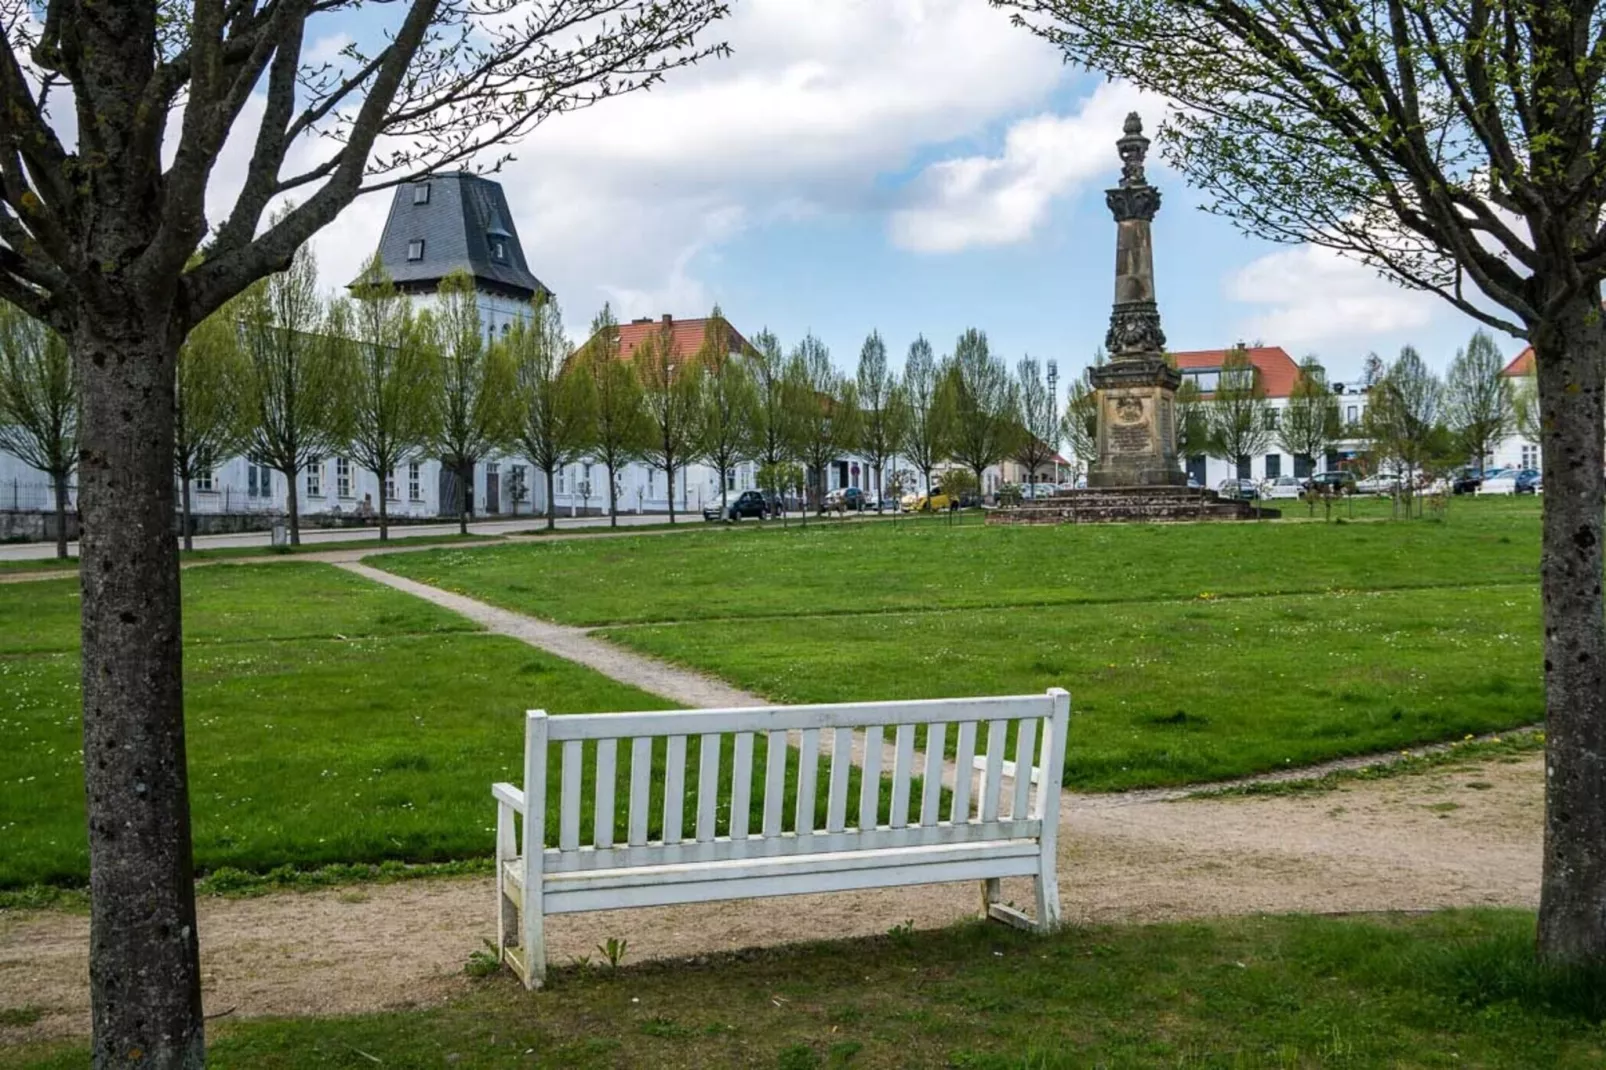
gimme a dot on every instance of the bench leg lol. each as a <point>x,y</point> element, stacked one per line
<point>1048,900</point>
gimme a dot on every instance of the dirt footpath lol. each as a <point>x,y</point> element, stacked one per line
<point>1456,836</point>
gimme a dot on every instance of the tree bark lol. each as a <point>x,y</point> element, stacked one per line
<point>613,498</point>
<point>61,516</point>
<point>293,501</point>
<point>551,503</point>
<point>184,511</point>
<point>669,470</point>
<point>1572,901</point>
<point>465,473</point>
<point>384,514</point>
<point>145,987</point>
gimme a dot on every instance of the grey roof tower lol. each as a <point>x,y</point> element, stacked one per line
<point>440,224</point>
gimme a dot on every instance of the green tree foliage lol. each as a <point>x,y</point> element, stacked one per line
<point>1192,414</point>
<point>39,404</point>
<point>1477,398</point>
<point>671,397</point>
<point>727,407</point>
<point>1454,145</point>
<point>1079,425</point>
<point>782,479</point>
<point>212,403</point>
<point>883,410</point>
<point>768,367</point>
<point>982,399</point>
<point>619,428</point>
<point>390,380</point>
<point>298,377</point>
<point>475,412</point>
<point>1240,421</point>
<point>555,399</point>
<point>824,422</point>
<point>1311,422</point>
<point>1403,417</point>
<point>929,422</point>
<point>1035,441</point>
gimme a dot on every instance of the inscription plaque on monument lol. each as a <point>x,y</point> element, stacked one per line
<point>1129,426</point>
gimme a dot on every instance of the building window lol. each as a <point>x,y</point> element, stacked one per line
<point>1271,419</point>
<point>415,492</point>
<point>561,472</point>
<point>1274,465</point>
<point>1206,381</point>
<point>390,485</point>
<point>1530,455</point>
<point>315,477</point>
<point>421,193</point>
<point>258,481</point>
<point>1351,414</point>
<point>498,249</point>
<point>203,481</point>
<point>342,477</point>
<point>415,249</point>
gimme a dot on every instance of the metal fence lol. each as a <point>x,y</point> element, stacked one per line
<point>23,496</point>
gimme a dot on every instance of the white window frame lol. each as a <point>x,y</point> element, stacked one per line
<point>415,249</point>
<point>342,478</point>
<point>415,486</point>
<point>315,478</point>
<point>206,481</point>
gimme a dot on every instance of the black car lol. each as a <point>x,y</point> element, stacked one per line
<point>746,504</point>
<point>1467,481</point>
<point>1332,482</point>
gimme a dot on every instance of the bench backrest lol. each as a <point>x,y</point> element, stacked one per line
<point>725,825</point>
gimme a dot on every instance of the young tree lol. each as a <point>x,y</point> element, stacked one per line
<point>768,367</point>
<point>1525,408</point>
<point>982,399</point>
<point>619,429</point>
<point>1036,437</point>
<point>779,478</point>
<point>39,404</point>
<point>390,380</point>
<point>1240,426</point>
<point>297,376</point>
<point>1477,398</point>
<point>116,119</point>
<point>1401,417</point>
<point>882,410</point>
<point>671,390</point>
<point>824,407</point>
<point>1310,423</point>
<point>554,396</point>
<point>928,423</point>
<point>212,403</point>
<point>1079,425</point>
<point>1193,420</point>
<point>474,413</point>
<point>727,405</point>
<point>1454,145</point>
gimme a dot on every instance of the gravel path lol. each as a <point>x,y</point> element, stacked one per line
<point>1466,835</point>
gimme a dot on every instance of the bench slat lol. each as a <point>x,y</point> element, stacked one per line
<point>569,812</point>
<point>931,797</point>
<point>774,782</point>
<point>788,718</point>
<point>707,786</point>
<point>674,789</point>
<point>870,782</point>
<point>992,776</point>
<point>741,785</point>
<point>964,759</point>
<point>808,769</point>
<point>903,758</point>
<point>640,787</point>
<point>602,807</point>
<point>1025,744</point>
<point>836,806</point>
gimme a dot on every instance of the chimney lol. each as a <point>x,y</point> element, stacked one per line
<point>668,319</point>
<point>643,319</point>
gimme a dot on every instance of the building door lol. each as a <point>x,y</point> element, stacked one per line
<point>1302,466</point>
<point>1196,468</point>
<point>493,489</point>
<point>448,491</point>
<point>1243,467</point>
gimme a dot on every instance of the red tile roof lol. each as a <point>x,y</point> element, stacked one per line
<point>1278,371</point>
<point>686,336</point>
<point>1522,364</point>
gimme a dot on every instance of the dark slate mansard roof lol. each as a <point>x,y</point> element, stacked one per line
<point>463,212</point>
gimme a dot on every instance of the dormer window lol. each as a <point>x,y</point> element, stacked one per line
<point>498,249</point>
<point>421,193</point>
<point>415,249</point>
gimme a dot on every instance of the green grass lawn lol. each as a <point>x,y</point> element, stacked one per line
<point>1449,990</point>
<point>834,567</point>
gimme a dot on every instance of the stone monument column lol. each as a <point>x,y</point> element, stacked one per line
<point>1137,433</point>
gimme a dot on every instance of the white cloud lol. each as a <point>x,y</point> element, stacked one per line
<point>1310,294</point>
<point>1000,200</point>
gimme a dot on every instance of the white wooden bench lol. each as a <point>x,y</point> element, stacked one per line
<point>992,828</point>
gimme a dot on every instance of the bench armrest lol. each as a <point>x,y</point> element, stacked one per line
<point>510,796</point>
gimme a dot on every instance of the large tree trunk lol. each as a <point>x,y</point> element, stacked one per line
<point>1572,898</point>
<point>145,986</point>
<point>551,502</point>
<point>184,511</point>
<point>61,515</point>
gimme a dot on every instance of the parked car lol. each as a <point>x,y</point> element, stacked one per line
<point>1512,481</point>
<point>749,503</point>
<point>1379,484</point>
<point>1467,480</point>
<point>1238,488</point>
<point>1284,487</point>
<point>844,499</point>
<point>935,502</point>
<point>1194,484</point>
<point>1066,488</point>
<point>1044,490</point>
<point>1339,482</point>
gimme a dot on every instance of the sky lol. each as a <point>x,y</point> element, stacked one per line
<point>912,167</point>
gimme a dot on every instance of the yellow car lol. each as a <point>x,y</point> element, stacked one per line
<point>935,502</point>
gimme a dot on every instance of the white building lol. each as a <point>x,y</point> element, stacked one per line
<point>1517,450</point>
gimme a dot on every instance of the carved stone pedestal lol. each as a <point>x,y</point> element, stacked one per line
<point>1137,438</point>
